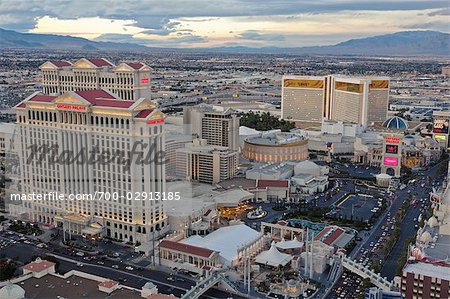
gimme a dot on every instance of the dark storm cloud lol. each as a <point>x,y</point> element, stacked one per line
<point>152,14</point>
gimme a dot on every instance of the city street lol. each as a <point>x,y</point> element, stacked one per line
<point>136,278</point>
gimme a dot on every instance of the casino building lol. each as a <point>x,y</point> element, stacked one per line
<point>84,122</point>
<point>359,100</point>
<point>128,81</point>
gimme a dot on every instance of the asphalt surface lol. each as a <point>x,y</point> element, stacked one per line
<point>136,278</point>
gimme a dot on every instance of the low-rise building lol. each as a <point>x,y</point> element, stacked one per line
<point>276,147</point>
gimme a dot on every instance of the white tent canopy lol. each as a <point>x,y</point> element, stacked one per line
<point>273,257</point>
<point>291,244</point>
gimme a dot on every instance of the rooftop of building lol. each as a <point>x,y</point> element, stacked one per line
<point>330,234</point>
<point>38,265</point>
<point>187,248</point>
<point>95,63</point>
<point>277,139</point>
<point>50,286</point>
<point>272,183</point>
<point>428,269</point>
<point>226,240</point>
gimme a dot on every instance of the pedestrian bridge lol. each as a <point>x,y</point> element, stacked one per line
<point>208,282</point>
<point>365,272</point>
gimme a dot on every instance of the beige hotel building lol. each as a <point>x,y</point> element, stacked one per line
<point>360,100</point>
<point>128,81</point>
<point>80,121</point>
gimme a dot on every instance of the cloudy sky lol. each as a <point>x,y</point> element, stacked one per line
<point>206,23</point>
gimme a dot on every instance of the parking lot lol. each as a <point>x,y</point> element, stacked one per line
<point>357,207</point>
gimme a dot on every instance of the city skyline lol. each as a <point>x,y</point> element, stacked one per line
<point>196,23</point>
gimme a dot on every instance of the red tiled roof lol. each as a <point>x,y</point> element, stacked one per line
<point>135,65</point>
<point>144,113</point>
<point>99,97</point>
<point>194,250</point>
<point>61,63</point>
<point>21,105</point>
<point>272,183</point>
<point>336,232</point>
<point>108,284</point>
<point>99,62</point>
<point>38,266</point>
<point>42,98</point>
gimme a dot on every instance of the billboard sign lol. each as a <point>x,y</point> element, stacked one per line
<point>391,149</point>
<point>145,80</point>
<point>392,139</point>
<point>379,84</point>
<point>303,83</point>
<point>390,161</point>
<point>440,137</point>
<point>440,126</point>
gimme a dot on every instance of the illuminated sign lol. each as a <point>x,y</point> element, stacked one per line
<point>71,107</point>
<point>157,121</point>
<point>440,137</point>
<point>145,80</point>
<point>303,83</point>
<point>391,149</point>
<point>390,161</point>
<point>440,126</point>
<point>350,87</point>
<point>379,84</point>
<point>391,139</point>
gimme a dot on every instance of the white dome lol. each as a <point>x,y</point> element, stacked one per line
<point>425,237</point>
<point>432,222</point>
<point>12,291</point>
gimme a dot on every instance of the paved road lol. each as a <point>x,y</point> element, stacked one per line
<point>135,279</point>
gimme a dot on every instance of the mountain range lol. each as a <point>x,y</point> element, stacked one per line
<point>395,44</point>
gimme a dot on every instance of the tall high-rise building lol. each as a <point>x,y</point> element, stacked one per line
<point>357,100</point>
<point>82,144</point>
<point>219,128</point>
<point>129,81</point>
<point>304,99</point>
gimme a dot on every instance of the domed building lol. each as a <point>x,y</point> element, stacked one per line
<point>396,123</point>
<point>12,291</point>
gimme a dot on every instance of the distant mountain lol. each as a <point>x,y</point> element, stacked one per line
<point>14,39</point>
<point>397,44</point>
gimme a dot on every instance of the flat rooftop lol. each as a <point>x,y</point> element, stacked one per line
<point>428,269</point>
<point>50,286</point>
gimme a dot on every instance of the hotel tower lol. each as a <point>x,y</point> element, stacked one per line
<point>100,153</point>
<point>309,100</point>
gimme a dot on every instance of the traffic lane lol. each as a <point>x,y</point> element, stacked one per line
<point>25,253</point>
<point>127,279</point>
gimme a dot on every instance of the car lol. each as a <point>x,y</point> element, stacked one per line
<point>115,266</point>
<point>79,264</point>
<point>79,253</point>
<point>129,268</point>
<point>170,278</point>
<point>100,263</point>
